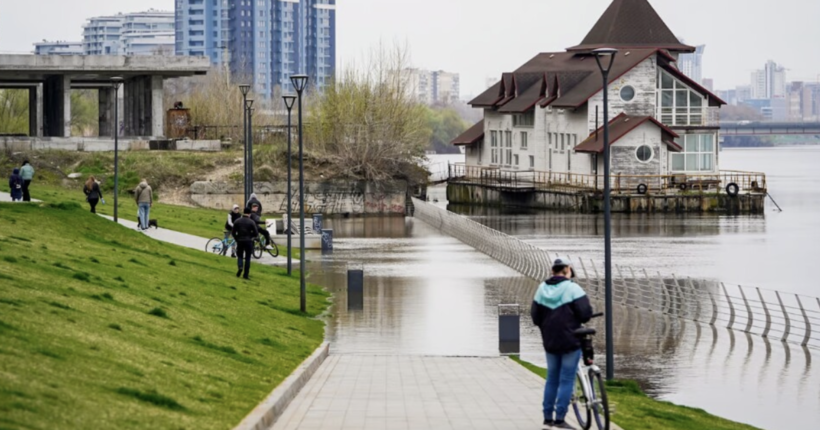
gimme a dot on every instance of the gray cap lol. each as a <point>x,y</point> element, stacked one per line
<point>562,262</point>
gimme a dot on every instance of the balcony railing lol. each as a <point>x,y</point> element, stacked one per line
<point>747,182</point>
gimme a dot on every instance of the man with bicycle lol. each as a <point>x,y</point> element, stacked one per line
<point>559,308</point>
<point>244,232</point>
<point>255,217</point>
<point>233,215</point>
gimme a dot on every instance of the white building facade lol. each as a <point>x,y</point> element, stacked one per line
<point>141,33</point>
<point>432,86</point>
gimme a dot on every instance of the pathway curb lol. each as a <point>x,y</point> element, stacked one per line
<point>266,413</point>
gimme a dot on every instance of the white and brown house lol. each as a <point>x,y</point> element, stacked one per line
<point>547,115</point>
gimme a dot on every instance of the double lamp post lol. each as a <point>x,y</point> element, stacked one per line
<point>299,84</point>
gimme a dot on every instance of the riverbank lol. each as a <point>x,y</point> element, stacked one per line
<point>104,327</point>
<point>634,410</point>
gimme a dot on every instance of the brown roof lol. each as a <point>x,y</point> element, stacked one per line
<point>531,88</point>
<point>471,136</point>
<point>631,24</point>
<point>619,127</point>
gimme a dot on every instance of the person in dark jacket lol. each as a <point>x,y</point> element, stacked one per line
<point>16,185</point>
<point>254,200</point>
<point>255,211</point>
<point>559,308</point>
<point>233,215</point>
<point>244,231</point>
<point>93,195</point>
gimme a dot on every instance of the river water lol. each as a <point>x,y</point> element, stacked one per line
<point>430,294</point>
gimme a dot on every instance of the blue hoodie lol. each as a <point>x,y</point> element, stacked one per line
<point>559,307</point>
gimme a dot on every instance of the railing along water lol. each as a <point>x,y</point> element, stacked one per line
<point>768,313</point>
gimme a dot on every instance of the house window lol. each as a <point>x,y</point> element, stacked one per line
<point>493,147</point>
<point>627,93</point>
<point>523,140</point>
<point>524,120</point>
<point>562,141</point>
<point>644,153</point>
<point>516,160</point>
<point>509,147</point>
<point>698,154</point>
<point>679,105</point>
<point>532,161</point>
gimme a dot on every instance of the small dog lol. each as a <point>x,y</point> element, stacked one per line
<point>152,223</point>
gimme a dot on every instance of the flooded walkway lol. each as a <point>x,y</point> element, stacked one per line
<point>378,392</point>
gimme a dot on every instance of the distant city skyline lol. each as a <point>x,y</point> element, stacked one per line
<point>447,39</point>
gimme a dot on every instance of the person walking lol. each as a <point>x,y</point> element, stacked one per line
<point>244,231</point>
<point>254,200</point>
<point>27,173</point>
<point>559,307</point>
<point>93,195</point>
<point>16,185</point>
<point>233,215</point>
<point>144,197</point>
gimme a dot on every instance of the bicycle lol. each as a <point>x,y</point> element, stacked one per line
<point>259,246</point>
<point>220,245</point>
<point>589,397</point>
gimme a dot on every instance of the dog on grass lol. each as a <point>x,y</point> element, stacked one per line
<point>152,223</point>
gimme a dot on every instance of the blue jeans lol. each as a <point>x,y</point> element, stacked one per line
<point>144,210</point>
<point>561,370</point>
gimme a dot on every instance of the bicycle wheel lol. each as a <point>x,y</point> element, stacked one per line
<point>600,405</point>
<point>257,249</point>
<point>580,404</point>
<point>274,251</point>
<point>216,246</point>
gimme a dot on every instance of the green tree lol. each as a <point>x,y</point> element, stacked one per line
<point>445,125</point>
<point>85,113</point>
<point>14,111</point>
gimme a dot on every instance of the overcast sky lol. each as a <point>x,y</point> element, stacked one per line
<point>483,38</point>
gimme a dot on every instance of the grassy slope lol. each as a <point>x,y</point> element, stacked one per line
<point>634,410</point>
<point>102,327</point>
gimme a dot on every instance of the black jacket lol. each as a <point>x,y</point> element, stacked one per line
<point>94,193</point>
<point>560,306</point>
<point>244,230</point>
<point>232,216</point>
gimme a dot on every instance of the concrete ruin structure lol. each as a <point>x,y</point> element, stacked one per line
<point>50,79</point>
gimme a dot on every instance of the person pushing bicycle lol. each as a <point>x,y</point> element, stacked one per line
<point>233,215</point>
<point>559,307</point>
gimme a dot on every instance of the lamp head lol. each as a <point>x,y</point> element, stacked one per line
<point>289,99</point>
<point>249,104</point>
<point>299,82</point>
<point>116,81</point>
<point>605,57</point>
<point>245,88</point>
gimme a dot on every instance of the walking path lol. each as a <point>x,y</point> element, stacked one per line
<point>416,392</point>
<point>196,242</point>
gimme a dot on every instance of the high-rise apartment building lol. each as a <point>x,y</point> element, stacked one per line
<point>692,64</point>
<point>263,41</point>
<point>432,87</point>
<point>769,82</point>
<point>59,47</point>
<point>141,33</point>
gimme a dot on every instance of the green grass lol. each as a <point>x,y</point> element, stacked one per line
<point>98,330</point>
<point>634,410</point>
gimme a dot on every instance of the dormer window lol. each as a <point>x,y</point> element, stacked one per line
<point>526,119</point>
<point>677,103</point>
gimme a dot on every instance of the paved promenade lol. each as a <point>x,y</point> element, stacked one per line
<point>416,392</point>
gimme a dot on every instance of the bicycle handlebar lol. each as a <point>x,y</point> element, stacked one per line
<point>599,314</point>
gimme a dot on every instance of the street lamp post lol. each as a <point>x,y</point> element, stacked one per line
<point>116,82</point>
<point>605,57</point>
<point>299,83</point>
<point>289,100</point>
<point>249,180</point>
<point>245,88</point>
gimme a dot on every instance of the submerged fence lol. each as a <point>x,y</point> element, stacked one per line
<point>772,314</point>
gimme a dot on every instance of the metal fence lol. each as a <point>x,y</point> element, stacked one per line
<point>773,314</point>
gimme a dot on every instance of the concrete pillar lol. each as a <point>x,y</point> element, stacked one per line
<point>35,111</point>
<point>106,99</point>
<point>57,106</point>
<point>157,108</point>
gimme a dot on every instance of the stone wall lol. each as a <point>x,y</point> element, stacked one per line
<point>97,144</point>
<point>333,198</point>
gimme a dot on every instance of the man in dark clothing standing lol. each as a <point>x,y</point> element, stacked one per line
<point>244,231</point>
<point>559,308</point>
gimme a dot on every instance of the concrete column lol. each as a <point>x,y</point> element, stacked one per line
<point>57,106</point>
<point>35,111</point>
<point>157,108</point>
<point>106,100</point>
